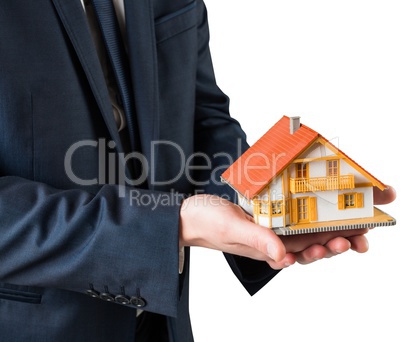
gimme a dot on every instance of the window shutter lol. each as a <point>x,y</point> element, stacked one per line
<point>341,202</point>
<point>256,211</point>
<point>256,207</point>
<point>359,200</point>
<point>313,208</point>
<point>294,210</point>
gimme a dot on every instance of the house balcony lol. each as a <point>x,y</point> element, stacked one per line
<point>298,185</point>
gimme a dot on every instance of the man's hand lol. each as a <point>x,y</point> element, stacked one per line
<point>212,222</point>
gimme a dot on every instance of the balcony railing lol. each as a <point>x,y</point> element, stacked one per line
<point>322,183</point>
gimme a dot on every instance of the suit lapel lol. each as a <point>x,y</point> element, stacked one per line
<point>75,23</point>
<point>143,64</point>
<point>142,53</point>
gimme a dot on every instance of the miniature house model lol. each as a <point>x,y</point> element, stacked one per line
<point>294,181</point>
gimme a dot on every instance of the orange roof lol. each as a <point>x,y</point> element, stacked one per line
<point>270,155</point>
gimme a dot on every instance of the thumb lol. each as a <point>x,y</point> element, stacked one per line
<point>385,196</point>
<point>264,240</point>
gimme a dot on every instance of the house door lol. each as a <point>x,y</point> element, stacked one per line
<point>302,210</point>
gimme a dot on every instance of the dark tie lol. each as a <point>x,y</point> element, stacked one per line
<point>109,25</point>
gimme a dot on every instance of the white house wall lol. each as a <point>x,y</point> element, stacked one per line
<point>276,190</point>
<point>346,168</point>
<point>245,204</point>
<point>264,221</point>
<point>327,204</point>
<point>319,168</point>
<point>277,221</point>
<point>327,207</point>
<point>318,150</point>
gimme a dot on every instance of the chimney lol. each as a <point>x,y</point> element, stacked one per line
<point>294,124</point>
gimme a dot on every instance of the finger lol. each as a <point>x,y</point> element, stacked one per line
<point>311,254</point>
<point>359,243</point>
<point>248,252</point>
<point>337,246</point>
<point>250,218</point>
<point>385,196</point>
<point>287,261</point>
<point>298,243</point>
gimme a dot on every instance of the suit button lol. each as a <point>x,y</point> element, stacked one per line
<point>138,302</point>
<point>92,293</point>
<point>122,299</point>
<point>107,297</point>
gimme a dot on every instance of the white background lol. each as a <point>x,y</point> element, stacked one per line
<point>338,65</point>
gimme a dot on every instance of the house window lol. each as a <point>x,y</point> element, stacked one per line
<point>333,168</point>
<point>350,200</point>
<point>276,208</point>
<point>301,170</point>
<point>264,208</point>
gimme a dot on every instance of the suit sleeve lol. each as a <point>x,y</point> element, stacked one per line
<point>113,241</point>
<point>221,138</point>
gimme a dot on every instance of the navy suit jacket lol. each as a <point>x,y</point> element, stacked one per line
<point>66,228</point>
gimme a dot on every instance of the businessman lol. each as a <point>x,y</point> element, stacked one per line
<point>109,171</point>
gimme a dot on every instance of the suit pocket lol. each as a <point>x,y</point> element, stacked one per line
<point>19,294</point>
<point>177,22</point>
